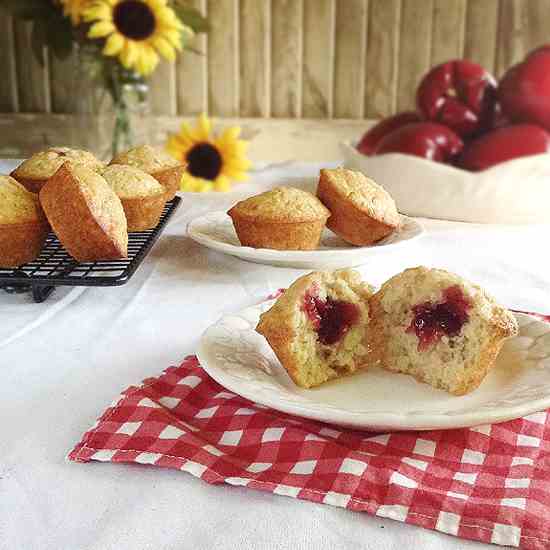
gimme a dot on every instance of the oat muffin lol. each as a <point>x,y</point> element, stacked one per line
<point>85,214</point>
<point>158,163</point>
<point>142,196</point>
<point>362,212</point>
<point>437,327</point>
<point>35,171</point>
<point>23,226</point>
<point>283,219</point>
<point>318,327</point>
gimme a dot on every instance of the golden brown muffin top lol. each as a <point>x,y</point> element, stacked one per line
<point>364,193</point>
<point>282,204</point>
<point>104,204</point>
<point>147,158</point>
<point>45,164</point>
<point>17,205</point>
<point>129,182</point>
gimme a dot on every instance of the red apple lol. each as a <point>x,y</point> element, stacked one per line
<point>459,94</point>
<point>423,139</point>
<point>504,144</point>
<point>372,137</point>
<point>524,91</point>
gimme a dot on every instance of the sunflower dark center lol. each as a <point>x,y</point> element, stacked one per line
<point>204,161</point>
<point>134,19</point>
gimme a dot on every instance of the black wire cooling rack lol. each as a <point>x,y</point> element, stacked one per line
<point>54,267</point>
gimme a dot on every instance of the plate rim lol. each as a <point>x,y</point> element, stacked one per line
<point>386,421</point>
<point>290,256</point>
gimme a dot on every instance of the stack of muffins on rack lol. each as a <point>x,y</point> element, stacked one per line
<point>351,205</point>
<point>90,207</point>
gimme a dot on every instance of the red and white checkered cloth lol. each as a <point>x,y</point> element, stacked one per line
<point>490,483</point>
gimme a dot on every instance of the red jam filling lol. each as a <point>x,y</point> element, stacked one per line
<point>331,318</point>
<point>431,321</point>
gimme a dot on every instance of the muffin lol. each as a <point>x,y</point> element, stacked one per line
<point>142,196</point>
<point>283,219</point>
<point>158,163</point>
<point>85,214</point>
<point>35,171</point>
<point>23,227</point>
<point>318,327</point>
<point>437,327</point>
<point>361,212</point>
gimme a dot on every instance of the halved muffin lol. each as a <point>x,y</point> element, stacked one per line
<point>34,172</point>
<point>142,196</point>
<point>318,327</point>
<point>85,214</point>
<point>361,211</point>
<point>23,226</point>
<point>437,327</point>
<point>158,163</point>
<point>283,218</point>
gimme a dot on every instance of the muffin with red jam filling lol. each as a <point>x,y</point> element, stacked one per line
<point>437,327</point>
<point>317,328</point>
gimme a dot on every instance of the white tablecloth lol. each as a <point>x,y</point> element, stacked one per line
<point>62,362</point>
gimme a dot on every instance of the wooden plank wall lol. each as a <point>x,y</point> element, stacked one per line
<point>319,59</point>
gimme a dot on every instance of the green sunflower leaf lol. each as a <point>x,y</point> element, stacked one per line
<point>193,50</point>
<point>28,9</point>
<point>191,17</point>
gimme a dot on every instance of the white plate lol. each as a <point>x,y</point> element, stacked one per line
<point>515,191</point>
<point>215,230</point>
<point>241,360</point>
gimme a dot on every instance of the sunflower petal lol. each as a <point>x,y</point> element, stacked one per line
<point>164,48</point>
<point>114,44</point>
<point>203,127</point>
<point>101,29</point>
<point>222,184</point>
<point>231,134</point>
<point>129,54</point>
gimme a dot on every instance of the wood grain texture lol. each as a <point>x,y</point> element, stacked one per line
<point>301,58</point>
<point>350,55</point>
<point>511,37</point>
<point>480,33</point>
<point>382,57</point>
<point>414,49</point>
<point>8,84</point>
<point>254,40</point>
<point>537,23</point>
<point>522,26</point>
<point>192,73</point>
<point>223,61</point>
<point>277,140</point>
<point>32,79</point>
<point>318,70</point>
<point>62,74</point>
<point>286,58</point>
<point>162,89</point>
<point>449,18</point>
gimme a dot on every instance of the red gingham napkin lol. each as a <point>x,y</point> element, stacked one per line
<point>490,483</point>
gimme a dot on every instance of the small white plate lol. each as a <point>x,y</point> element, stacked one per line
<point>241,360</point>
<point>215,230</point>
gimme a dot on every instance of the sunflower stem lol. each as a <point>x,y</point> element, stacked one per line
<point>122,132</point>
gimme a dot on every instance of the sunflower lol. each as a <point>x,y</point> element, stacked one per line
<point>212,160</point>
<point>136,31</point>
<point>74,9</point>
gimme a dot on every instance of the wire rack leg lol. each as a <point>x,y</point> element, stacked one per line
<point>41,292</point>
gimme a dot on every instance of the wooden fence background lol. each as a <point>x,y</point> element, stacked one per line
<point>313,59</point>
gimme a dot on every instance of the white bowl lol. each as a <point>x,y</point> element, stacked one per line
<point>516,191</point>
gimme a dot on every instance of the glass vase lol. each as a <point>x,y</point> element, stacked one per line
<point>109,106</point>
